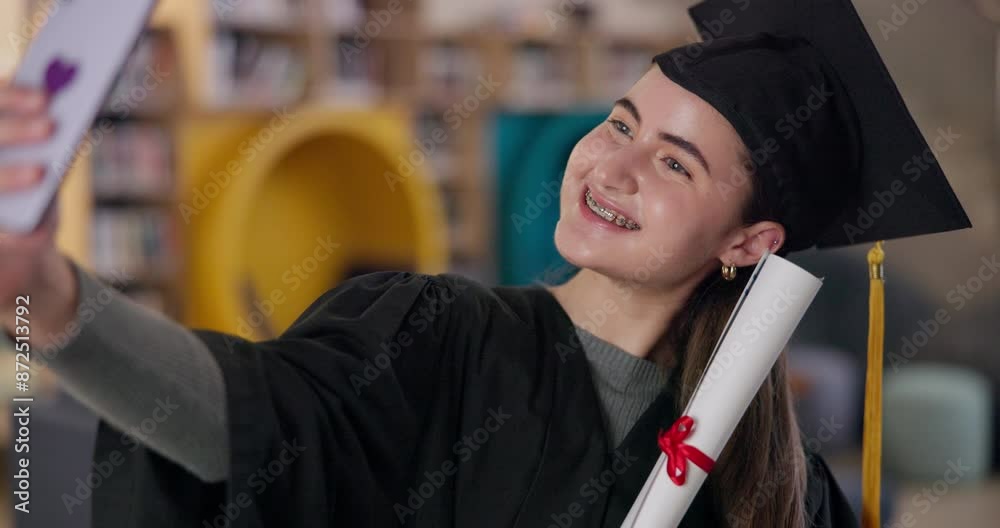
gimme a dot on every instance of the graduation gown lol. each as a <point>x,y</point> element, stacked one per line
<point>404,399</point>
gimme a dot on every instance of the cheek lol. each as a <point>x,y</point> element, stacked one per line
<point>682,218</point>
<point>668,203</point>
<point>581,161</point>
<point>587,152</point>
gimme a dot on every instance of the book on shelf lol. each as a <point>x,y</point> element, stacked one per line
<point>343,16</point>
<point>138,243</point>
<point>541,76</point>
<point>449,72</point>
<point>356,72</point>
<point>619,67</point>
<point>262,15</point>
<point>134,162</point>
<point>452,206</point>
<point>435,146</point>
<point>147,84</point>
<point>251,70</point>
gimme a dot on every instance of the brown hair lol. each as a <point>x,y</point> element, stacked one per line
<point>760,477</point>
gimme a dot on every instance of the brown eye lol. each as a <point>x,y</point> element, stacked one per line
<point>674,165</point>
<point>621,127</point>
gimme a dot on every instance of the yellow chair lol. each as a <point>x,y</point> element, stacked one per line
<point>278,208</point>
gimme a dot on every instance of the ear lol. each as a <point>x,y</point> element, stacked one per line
<point>749,243</point>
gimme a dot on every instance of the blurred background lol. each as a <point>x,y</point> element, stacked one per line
<point>254,153</point>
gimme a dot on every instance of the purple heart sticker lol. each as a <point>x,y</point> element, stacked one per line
<point>58,76</point>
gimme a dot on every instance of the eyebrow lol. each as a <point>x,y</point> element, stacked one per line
<point>674,139</point>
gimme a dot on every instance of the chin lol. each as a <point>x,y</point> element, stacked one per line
<point>621,261</point>
<point>583,252</point>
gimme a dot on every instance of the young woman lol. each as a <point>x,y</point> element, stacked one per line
<point>431,400</point>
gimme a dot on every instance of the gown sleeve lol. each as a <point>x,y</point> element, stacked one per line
<point>323,420</point>
<point>826,505</point>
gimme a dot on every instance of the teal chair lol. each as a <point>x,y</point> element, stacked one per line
<point>530,152</point>
<point>936,415</point>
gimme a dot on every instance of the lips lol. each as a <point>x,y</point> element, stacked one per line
<point>602,208</point>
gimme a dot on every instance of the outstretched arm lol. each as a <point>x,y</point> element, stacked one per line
<point>129,364</point>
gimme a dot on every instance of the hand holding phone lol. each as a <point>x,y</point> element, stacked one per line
<point>24,121</point>
<point>73,60</point>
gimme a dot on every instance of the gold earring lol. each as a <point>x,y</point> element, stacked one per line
<point>728,272</point>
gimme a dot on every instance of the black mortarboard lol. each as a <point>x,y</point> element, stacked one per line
<point>804,86</point>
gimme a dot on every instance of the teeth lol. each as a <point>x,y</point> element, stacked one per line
<point>610,215</point>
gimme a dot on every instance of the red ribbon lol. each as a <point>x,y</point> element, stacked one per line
<point>678,453</point>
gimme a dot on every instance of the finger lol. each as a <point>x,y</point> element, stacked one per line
<point>16,131</point>
<point>20,177</point>
<point>20,100</point>
<point>50,218</point>
<point>44,233</point>
<point>41,236</point>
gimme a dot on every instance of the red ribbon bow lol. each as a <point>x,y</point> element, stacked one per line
<point>678,453</point>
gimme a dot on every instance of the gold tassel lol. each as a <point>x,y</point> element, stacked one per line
<point>871,461</point>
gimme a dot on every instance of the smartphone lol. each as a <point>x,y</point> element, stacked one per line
<point>76,56</point>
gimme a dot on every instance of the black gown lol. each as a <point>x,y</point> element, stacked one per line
<point>403,399</point>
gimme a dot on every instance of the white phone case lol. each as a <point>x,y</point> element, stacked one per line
<point>76,56</point>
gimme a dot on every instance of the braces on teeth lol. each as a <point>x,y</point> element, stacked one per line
<point>610,215</point>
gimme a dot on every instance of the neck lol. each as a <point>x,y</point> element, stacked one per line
<point>632,316</point>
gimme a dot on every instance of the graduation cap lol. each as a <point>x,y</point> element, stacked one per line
<point>829,134</point>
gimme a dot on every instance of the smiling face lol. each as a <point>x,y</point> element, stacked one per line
<point>657,192</point>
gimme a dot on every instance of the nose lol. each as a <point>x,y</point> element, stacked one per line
<point>614,173</point>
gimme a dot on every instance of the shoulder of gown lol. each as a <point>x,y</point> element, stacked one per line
<point>826,505</point>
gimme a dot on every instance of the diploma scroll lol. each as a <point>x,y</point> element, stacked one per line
<point>771,306</point>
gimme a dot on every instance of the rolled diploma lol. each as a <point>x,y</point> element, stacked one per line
<point>771,306</point>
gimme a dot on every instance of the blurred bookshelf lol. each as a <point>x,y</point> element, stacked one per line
<point>201,59</point>
<point>134,238</point>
